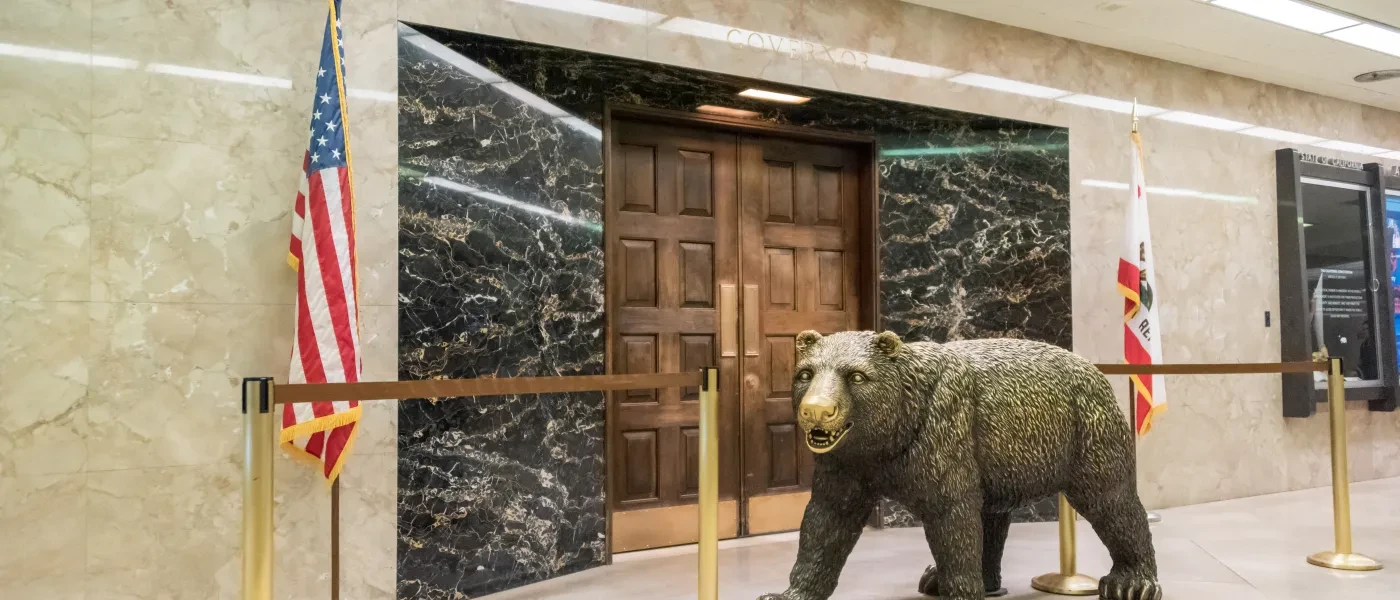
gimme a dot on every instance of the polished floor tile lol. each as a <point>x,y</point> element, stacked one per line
<point>1247,549</point>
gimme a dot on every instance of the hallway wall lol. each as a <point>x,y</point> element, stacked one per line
<point>143,217</point>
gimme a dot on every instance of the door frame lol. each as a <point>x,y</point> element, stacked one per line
<point>868,273</point>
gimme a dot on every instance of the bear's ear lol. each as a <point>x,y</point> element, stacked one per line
<point>806,340</point>
<point>887,343</point>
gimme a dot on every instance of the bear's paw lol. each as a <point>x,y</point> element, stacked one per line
<point>928,585</point>
<point>1129,587</point>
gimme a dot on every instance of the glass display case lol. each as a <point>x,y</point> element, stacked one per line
<point>1339,235</point>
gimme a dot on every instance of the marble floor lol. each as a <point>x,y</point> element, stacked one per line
<point>1247,549</point>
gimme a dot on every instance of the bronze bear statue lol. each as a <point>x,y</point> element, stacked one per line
<point>961,434</point>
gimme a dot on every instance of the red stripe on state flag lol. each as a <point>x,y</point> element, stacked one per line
<point>1133,351</point>
<point>1144,410</point>
<point>1129,275</point>
<point>331,279</point>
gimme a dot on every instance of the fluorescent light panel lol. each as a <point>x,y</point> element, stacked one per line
<point>601,10</point>
<point>373,95</point>
<point>774,96</point>
<point>1177,192</point>
<point>230,77</point>
<point>1008,85</point>
<point>700,29</point>
<point>64,56</point>
<point>1099,183</point>
<point>1280,135</point>
<point>907,67</point>
<point>1390,155</point>
<point>1351,147</point>
<point>450,56</point>
<point>1190,118</point>
<point>1370,36</point>
<point>506,200</point>
<point>1118,106</point>
<point>1293,14</point>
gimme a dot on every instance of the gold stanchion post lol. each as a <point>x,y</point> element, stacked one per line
<point>1067,582</point>
<point>1341,557</point>
<point>259,438</point>
<point>709,484</point>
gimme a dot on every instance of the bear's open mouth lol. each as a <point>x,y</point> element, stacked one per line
<point>823,440</point>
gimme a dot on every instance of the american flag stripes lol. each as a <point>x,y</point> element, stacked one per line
<point>1137,283</point>
<point>326,344</point>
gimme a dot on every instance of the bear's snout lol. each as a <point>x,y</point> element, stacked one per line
<point>817,413</point>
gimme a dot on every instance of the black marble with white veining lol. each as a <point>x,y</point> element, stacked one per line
<point>501,269</point>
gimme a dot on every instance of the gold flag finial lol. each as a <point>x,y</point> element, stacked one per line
<point>1135,119</point>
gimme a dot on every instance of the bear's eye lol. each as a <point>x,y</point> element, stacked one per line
<point>857,377</point>
<point>804,375</point>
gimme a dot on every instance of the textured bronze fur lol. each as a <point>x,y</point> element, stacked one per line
<point>962,433</point>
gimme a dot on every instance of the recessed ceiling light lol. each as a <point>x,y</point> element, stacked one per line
<point>1374,76</point>
<point>1351,147</point>
<point>1008,85</point>
<point>1190,118</point>
<point>1297,15</point>
<point>773,96</point>
<point>1370,36</point>
<point>1269,133</point>
<point>738,113</point>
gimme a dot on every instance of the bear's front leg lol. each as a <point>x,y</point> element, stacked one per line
<point>954,534</point>
<point>835,516</point>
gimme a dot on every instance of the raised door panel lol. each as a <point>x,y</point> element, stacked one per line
<point>640,466</point>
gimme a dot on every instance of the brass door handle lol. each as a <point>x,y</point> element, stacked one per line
<point>728,320</point>
<point>750,320</point>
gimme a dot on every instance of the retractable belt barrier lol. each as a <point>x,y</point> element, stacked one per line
<point>262,395</point>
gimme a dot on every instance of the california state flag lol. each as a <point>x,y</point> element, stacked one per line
<point>1137,282</point>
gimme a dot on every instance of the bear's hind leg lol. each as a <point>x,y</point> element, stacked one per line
<point>995,527</point>
<point>1120,521</point>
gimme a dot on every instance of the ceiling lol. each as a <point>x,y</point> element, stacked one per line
<point>1198,34</point>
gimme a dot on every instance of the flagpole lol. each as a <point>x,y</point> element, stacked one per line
<point>1152,517</point>
<point>335,540</point>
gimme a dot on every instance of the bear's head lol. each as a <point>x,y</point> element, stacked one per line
<point>848,392</point>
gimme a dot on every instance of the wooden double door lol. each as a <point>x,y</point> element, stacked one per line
<point>720,248</point>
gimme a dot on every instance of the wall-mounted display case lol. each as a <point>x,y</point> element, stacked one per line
<point>1338,239</point>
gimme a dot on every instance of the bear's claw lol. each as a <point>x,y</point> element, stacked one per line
<point>1118,587</point>
<point>928,585</point>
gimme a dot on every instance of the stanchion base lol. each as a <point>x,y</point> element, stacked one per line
<point>1344,562</point>
<point>1066,585</point>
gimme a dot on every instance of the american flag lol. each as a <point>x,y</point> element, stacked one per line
<point>326,344</point>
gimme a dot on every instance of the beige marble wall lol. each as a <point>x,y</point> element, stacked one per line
<point>143,217</point>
